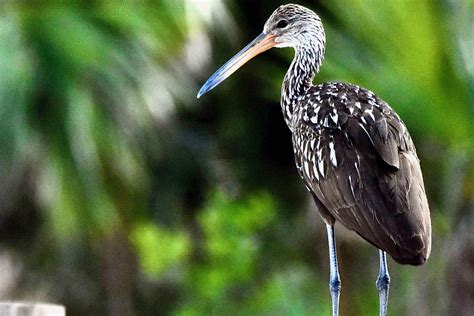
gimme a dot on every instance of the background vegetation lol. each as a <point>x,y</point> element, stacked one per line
<point>122,194</point>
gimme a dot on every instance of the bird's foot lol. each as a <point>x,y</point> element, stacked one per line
<point>382,284</point>
<point>335,290</point>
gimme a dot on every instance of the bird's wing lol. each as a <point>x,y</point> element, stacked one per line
<point>361,165</point>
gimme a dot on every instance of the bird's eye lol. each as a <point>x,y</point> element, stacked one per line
<point>282,24</point>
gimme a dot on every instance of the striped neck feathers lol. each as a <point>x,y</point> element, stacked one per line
<point>300,75</point>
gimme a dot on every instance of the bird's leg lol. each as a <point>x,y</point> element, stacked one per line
<point>382,283</point>
<point>334,279</point>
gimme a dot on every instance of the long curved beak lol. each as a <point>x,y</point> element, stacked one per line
<point>260,44</point>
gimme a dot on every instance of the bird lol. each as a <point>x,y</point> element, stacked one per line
<point>352,150</point>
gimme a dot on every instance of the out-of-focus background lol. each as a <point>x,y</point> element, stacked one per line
<point>123,194</point>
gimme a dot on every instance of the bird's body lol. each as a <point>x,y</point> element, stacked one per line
<point>352,150</point>
<point>358,161</point>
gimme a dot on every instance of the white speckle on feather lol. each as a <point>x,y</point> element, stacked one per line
<point>352,187</point>
<point>305,148</point>
<point>306,168</point>
<point>321,167</point>
<point>368,135</point>
<point>325,122</point>
<point>371,114</point>
<point>315,171</point>
<point>320,153</point>
<point>332,154</point>
<point>315,164</point>
<point>357,167</point>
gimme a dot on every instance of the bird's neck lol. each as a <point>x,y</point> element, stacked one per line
<point>299,77</point>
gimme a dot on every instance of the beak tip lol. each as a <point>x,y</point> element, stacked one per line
<point>208,86</point>
<point>201,92</point>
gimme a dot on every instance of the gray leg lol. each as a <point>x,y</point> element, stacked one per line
<point>382,283</point>
<point>334,279</point>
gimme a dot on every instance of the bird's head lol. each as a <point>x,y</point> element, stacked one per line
<point>290,25</point>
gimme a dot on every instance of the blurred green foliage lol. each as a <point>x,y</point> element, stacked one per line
<point>159,250</point>
<point>231,246</point>
<point>122,194</point>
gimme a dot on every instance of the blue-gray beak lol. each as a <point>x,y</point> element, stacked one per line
<point>260,44</point>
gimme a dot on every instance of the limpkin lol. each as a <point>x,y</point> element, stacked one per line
<point>352,150</point>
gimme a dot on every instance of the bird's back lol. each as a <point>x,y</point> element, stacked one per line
<point>357,159</point>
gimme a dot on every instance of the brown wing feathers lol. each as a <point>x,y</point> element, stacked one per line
<point>363,171</point>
